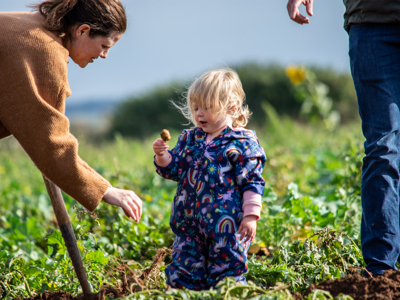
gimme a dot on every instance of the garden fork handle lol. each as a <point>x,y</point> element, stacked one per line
<point>68,234</point>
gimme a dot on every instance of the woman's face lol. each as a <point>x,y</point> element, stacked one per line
<point>84,49</point>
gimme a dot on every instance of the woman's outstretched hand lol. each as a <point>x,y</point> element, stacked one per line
<point>127,200</point>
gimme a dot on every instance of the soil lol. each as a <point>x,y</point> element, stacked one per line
<point>131,282</point>
<point>61,295</point>
<point>381,287</point>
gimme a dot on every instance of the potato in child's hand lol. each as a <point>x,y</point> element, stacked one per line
<point>165,135</point>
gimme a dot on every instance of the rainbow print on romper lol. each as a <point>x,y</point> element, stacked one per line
<point>198,137</point>
<point>207,199</point>
<point>189,213</point>
<point>192,177</point>
<point>225,225</point>
<point>233,153</point>
<point>200,187</point>
<point>188,260</point>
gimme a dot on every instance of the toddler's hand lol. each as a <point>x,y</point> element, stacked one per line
<point>248,228</point>
<point>160,147</point>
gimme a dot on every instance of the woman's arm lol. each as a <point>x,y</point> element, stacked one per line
<point>33,89</point>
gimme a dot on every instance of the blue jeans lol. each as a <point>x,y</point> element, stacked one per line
<point>374,51</point>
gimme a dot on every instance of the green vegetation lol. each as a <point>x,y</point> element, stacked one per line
<point>309,227</point>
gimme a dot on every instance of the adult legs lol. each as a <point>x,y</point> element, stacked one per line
<point>374,51</point>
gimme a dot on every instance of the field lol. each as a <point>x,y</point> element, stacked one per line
<point>308,232</point>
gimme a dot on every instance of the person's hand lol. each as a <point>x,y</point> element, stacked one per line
<point>160,147</point>
<point>127,200</point>
<point>293,10</point>
<point>248,228</point>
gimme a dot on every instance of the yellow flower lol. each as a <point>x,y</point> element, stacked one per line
<point>27,190</point>
<point>148,198</point>
<point>296,74</point>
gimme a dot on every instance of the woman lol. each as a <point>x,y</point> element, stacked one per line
<point>33,88</point>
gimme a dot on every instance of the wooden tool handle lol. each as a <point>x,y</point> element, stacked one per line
<point>68,235</point>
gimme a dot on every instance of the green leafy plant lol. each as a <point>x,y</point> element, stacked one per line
<point>313,94</point>
<point>312,183</point>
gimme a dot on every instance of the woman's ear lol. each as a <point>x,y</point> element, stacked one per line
<point>81,31</point>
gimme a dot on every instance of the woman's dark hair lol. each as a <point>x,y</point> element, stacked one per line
<point>103,16</point>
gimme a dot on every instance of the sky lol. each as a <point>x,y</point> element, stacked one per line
<point>178,40</point>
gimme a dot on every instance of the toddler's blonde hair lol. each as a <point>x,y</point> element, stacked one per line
<point>222,90</point>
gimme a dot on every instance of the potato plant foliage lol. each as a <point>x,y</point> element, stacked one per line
<point>309,225</point>
<point>308,232</point>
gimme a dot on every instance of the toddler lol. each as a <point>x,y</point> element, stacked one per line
<point>218,166</point>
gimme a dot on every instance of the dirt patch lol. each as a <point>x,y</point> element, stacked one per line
<point>131,282</point>
<point>382,287</point>
<point>61,295</point>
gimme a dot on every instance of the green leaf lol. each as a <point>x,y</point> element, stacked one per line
<point>33,271</point>
<point>56,239</point>
<point>97,257</point>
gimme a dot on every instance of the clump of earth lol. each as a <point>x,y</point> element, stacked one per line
<point>381,287</point>
<point>385,287</point>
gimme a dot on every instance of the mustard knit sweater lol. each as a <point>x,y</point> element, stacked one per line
<point>33,90</point>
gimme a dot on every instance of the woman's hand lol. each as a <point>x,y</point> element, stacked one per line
<point>248,228</point>
<point>127,200</point>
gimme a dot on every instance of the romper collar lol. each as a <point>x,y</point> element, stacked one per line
<point>226,136</point>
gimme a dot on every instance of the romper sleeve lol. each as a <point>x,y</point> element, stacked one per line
<point>249,166</point>
<point>33,93</point>
<point>174,169</point>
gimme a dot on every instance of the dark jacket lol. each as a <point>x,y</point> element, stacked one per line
<point>371,11</point>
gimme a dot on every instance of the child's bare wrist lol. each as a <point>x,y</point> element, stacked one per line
<point>251,218</point>
<point>161,155</point>
<point>163,160</point>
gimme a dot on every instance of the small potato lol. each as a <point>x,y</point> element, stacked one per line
<point>165,135</point>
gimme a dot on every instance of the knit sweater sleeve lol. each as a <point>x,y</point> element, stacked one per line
<point>33,91</point>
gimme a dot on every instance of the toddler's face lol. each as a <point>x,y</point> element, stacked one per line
<point>205,118</point>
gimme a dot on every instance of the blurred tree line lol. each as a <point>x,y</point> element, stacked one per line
<point>149,113</point>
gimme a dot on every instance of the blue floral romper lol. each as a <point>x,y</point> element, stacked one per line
<point>207,207</point>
